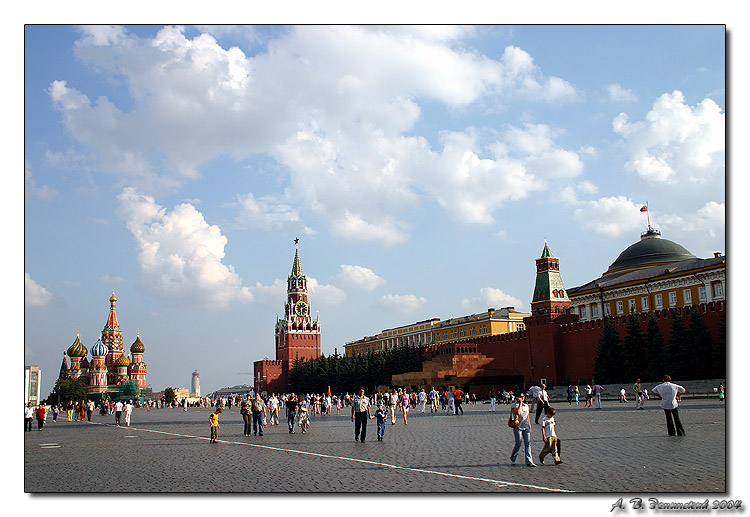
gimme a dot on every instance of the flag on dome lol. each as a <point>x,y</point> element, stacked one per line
<point>644,208</point>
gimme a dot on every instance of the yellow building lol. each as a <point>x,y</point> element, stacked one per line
<point>434,331</point>
<point>652,274</point>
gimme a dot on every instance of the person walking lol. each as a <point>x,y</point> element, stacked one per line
<point>542,403</point>
<point>597,394</point>
<point>551,445</point>
<point>89,409</point>
<point>589,396</point>
<point>28,417</point>
<point>422,399</point>
<point>381,415</point>
<point>361,413</point>
<point>55,411</point>
<point>393,402</point>
<point>493,399</point>
<point>128,410</point>
<point>118,412</point>
<point>41,415</point>
<point>638,389</point>
<point>69,410</point>
<point>213,422</point>
<point>247,418</point>
<point>302,418</point>
<point>258,407</point>
<point>404,405</point>
<point>434,400</point>
<point>670,394</point>
<point>457,400</point>
<point>273,409</point>
<point>291,411</point>
<point>522,430</point>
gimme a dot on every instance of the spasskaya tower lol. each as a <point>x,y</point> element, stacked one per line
<point>296,335</point>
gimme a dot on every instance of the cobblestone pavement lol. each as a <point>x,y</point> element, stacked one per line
<point>616,449</point>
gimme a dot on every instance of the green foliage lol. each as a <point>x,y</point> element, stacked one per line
<point>678,359</point>
<point>348,374</point>
<point>169,396</point>
<point>67,389</point>
<point>654,349</point>
<point>130,390</point>
<point>608,361</point>
<point>634,349</point>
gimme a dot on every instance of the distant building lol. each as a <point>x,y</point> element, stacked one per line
<point>109,367</point>
<point>433,331</point>
<point>195,385</point>
<point>297,335</point>
<point>242,390</point>
<point>652,274</point>
<point>32,385</point>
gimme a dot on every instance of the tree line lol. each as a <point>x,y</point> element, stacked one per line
<point>347,374</point>
<point>689,351</point>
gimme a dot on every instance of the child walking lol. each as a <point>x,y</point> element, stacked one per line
<point>551,444</point>
<point>380,414</point>
<point>213,421</point>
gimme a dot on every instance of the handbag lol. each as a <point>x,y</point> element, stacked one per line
<point>513,421</point>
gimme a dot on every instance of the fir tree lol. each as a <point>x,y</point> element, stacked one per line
<point>608,361</point>
<point>700,347</point>
<point>654,349</point>
<point>719,350</point>
<point>634,349</point>
<point>678,360</point>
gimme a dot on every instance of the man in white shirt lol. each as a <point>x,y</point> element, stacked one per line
<point>670,395</point>
<point>542,403</point>
<point>434,399</point>
<point>422,398</point>
<point>360,415</point>
<point>118,412</point>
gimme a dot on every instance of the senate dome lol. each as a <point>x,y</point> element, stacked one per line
<point>651,250</point>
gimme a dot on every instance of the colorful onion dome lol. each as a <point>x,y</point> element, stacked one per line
<point>113,298</point>
<point>123,360</point>
<point>99,349</point>
<point>77,349</point>
<point>137,346</point>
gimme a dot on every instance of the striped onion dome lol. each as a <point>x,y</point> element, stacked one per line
<point>99,349</point>
<point>123,360</point>
<point>77,349</point>
<point>137,346</point>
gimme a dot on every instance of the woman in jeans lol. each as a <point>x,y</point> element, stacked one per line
<point>520,408</point>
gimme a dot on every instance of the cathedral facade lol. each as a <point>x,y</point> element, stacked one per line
<point>109,367</point>
<point>296,335</point>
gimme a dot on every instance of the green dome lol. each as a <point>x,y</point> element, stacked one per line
<point>651,250</point>
<point>77,349</point>
<point>123,360</point>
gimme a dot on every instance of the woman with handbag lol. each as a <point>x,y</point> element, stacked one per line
<point>519,412</point>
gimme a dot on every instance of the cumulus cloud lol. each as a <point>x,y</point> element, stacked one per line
<point>269,214</point>
<point>619,94</point>
<point>334,106</point>
<point>359,277</point>
<point>676,143</point>
<point>34,294</point>
<point>325,294</point>
<point>491,297</point>
<point>179,253</point>
<point>611,216</point>
<point>402,303</point>
<point>31,188</point>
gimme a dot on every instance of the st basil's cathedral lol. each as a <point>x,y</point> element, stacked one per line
<point>109,367</point>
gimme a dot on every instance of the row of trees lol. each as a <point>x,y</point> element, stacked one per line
<point>689,352</point>
<point>348,374</point>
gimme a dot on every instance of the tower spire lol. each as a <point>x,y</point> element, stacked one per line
<point>296,266</point>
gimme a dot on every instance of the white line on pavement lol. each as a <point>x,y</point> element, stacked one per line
<point>496,482</point>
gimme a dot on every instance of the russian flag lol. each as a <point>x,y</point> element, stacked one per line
<point>644,208</point>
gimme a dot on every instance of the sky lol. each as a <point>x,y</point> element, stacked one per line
<point>421,167</point>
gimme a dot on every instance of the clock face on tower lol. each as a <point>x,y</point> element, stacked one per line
<point>301,308</point>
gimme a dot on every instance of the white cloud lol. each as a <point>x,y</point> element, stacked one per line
<point>359,277</point>
<point>31,188</point>
<point>619,94</point>
<point>611,216</point>
<point>676,143</point>
<point>491,297</point>
<point>34,294</point>
<point>324,294</point>
<point>402,303</point>
<point>331,104</point>
<point>111,279</point>
<point>180,254</point>
<point>269,214</point>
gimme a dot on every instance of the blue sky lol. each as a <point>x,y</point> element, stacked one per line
<point>422,168</point>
